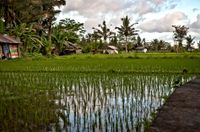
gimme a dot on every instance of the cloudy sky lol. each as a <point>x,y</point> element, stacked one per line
<point>155,17</point>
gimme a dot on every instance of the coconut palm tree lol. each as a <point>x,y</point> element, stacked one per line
<point>103,31</point>
<point>126,30</point>
<point>189,41</point>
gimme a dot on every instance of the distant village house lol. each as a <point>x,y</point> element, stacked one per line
<point>9,47</point>
<point>71,48</point>
<point>110,49</point>
<point>141,49</point>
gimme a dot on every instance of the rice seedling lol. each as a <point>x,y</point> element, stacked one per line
<point>90,92</point>
<point>48,101</point>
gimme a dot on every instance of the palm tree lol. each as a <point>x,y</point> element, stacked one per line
<point>154,45</point>
<point>157,45</point>
<point>103,31</point>
<point>189,41</point>
<point>126,30</point>
<point>139,41</point>
<point>179,34</point>
<point>59,38</point>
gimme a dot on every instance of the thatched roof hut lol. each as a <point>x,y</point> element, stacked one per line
<point>9,46</point>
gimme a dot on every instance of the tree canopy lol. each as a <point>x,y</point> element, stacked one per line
<point>180,33</point>
<point>126,30</point>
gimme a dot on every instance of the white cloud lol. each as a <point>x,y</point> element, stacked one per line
<point>166,36</point>
<point>155,17</point>
<point>164,24</point>
<point>93,12</point>
<point>143,7</point>
<point>196,24</point>
<point>91,8</point>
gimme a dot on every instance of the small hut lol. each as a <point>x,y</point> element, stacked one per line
<point>9,47</point>
<point>110,49</point>
<point>141,49</point>
<point>71,48</point>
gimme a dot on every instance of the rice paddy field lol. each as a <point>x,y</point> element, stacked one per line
<point>90,92</point>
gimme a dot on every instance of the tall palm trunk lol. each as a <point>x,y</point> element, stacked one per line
<point>48,48</point>
<point>126,44</point>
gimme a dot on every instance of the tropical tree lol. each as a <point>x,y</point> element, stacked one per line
<point>49,13</point>
<point>179,34</point>
<point>157,45</point>
<point>58,39</point>
<point>66,30</point>
<point>46,48</point>
<point>103,31</point>
<point>1,26</point>
<point>154,45</point>
<point>139,41</point>
<point>70,25</point>
<point>23,11</point>
<point>162,45</point>
<point>40,14</point>
<point>126,30</point>
<point>144,42</point>
<point>27,35</point>
<point>189,41</point>
<point>74,30</point>
<point>114,40</point>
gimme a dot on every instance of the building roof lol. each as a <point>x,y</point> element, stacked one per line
<point>4,38</point>
<point>70,45</point>
<point>112,47</point>
<point>140,48</point>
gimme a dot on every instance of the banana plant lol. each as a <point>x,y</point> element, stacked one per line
<point>27,35</point>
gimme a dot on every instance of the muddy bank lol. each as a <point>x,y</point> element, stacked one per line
<point>181,112</point>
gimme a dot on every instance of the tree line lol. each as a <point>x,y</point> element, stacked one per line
<point>34,23</point>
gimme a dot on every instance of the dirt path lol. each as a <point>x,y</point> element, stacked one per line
<point>181,113</point>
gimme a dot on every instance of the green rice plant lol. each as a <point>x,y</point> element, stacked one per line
<point>80,94</point>
<point>147,63</point>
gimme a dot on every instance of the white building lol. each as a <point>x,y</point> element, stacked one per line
<point>141,49</point>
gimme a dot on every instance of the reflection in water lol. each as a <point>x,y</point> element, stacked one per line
<point>110,102</point>
<point>83,102</point>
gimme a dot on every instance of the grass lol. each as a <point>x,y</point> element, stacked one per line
<point>102,91</point>
<point>121,63</point>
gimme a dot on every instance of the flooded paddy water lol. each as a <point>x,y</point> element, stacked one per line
<point>74,102</point>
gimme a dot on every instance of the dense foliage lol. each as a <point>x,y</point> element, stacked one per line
<point>34,23</point>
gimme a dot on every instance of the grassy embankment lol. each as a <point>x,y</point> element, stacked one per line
<point>121,63</point>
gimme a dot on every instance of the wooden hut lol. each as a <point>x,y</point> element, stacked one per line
<point>71,48</point>
<point>110,49</point>
<point>9,47</point>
